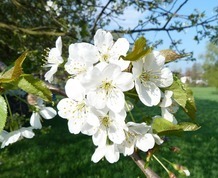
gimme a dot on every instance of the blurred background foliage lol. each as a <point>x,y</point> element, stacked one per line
<point>29,25</point>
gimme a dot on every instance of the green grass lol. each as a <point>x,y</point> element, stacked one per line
<point>57,153</point>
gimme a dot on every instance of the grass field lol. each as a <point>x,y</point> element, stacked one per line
<point>54,152</point>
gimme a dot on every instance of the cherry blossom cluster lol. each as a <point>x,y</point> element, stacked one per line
<point>96,103</point>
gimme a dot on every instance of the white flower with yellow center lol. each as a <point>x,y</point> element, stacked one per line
<point>106,87</point>
<point>140,136</point>
<point>111,51</point>
<point>54,59</point>
<point>149,74</point>
<point>82,57</point>
<point>75,108</point>
<point>110,126</point>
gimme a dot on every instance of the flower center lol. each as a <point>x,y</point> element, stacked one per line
<point>107,86</point>
<point>147,76</point>
<point>81,107</point>
<point>106,121</point>
<point>105,58</point>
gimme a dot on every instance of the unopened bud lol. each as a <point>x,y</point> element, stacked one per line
<point>171,175</point>
<point>32,99</point>
<point>181,169</point>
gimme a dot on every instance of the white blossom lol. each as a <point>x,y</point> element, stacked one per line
<point>82,57</point>
<point>111,51</point>
<point>75,108</point>
<point>8,138</point>
<point>149,74</point>
<point>139,135</point>
<point>106,87</point>
<point>42,111</point>
<point>54,59</point>
<point>110,126</point>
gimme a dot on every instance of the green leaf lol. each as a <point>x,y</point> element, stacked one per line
<point>183,95</point>
<point>165,127</point>
<point>3,113</point>
<point>34,86</point>
<point>190,107</point>
<point>179,94</point>
<point>140,49</point>
<point>171,55</point>
<point>14,72</point>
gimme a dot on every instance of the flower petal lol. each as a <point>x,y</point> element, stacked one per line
<point>153,61</point>
<point>85,52</point>
<point>115,100</point>
<point>116,134</point>
<point>148,93</point>
<point>124,81</point>
<point>35,120</point>
<point>145,142</point>
<point>75,90</point>
<point>97,98</point>
<point>165,79</point>
<point>12,137</point>
<point>112,154</point>
<point>100,137</point>
<point>49,75</point>
<point>48,112</point>
<point>75,125</point>
<point>98,154</point>
<point>27,132</point>
<point>58,44</point>
<point>66,107</point>
<point>103,40</point>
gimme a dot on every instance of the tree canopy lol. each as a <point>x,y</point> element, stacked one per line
<point>211,64</point>
<point>34,25</point>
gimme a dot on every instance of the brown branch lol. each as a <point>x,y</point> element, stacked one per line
<point>148,172</point>
<point>100,14</point>
<point>56,90</point>
<point>30,31</point>
<point>168,21</point>
<point>163,29</point>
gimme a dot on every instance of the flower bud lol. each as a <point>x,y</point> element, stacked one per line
<point>181,169</point>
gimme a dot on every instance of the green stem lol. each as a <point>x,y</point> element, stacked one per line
<point>21,99</point>
<point>167,170</point>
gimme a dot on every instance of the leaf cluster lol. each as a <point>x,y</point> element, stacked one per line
<point>14,78</point>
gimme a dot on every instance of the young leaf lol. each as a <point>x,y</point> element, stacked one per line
<point>163,126</point>
<point>3,113</point>
<point>34,86</point>
<point>171,55</point>
<point>140,49</point>
<point>179,94</point>
<point>14,72</point>
<point>184,97</point>
<point>190,107</point>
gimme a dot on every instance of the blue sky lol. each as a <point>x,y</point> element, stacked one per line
<point>131,16</point>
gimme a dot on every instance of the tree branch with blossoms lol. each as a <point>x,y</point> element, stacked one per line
<point>103,79</point>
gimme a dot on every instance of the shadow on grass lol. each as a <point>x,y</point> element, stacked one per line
<point>57,153</point>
